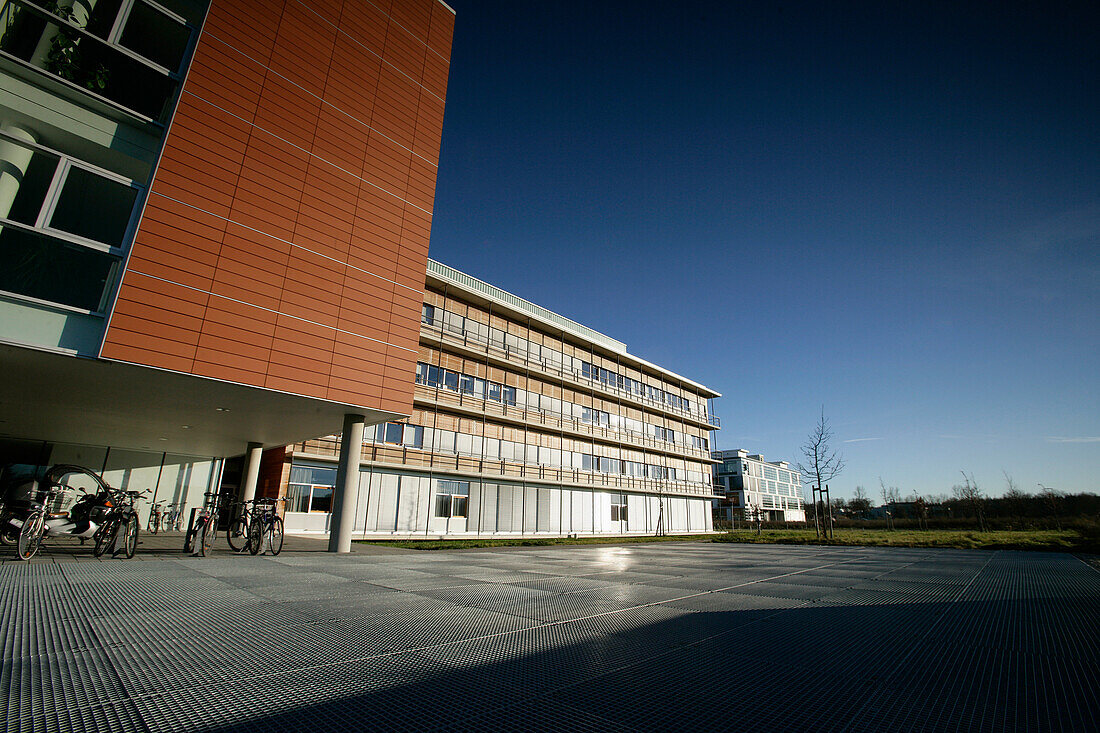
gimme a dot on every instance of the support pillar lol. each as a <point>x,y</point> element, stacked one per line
<point>14,161</point>
<point>346,495</point>
<point>251,471</point>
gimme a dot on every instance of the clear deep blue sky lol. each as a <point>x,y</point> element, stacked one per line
<point>889,209</point>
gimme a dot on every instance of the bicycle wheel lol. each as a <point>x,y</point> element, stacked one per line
<point>276,536</point>
<point>30,535</point>
<point>256,535</point>
<point>154,523</point>
<point>105,536</point>
<point>9,533</point>
<point>130,539</point>
<point>237,534</point>
<point>209,532</point>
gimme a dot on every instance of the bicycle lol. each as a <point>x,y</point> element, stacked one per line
<point>33,529</point>
<point>237,532</point>
<point>200,538</point>
<point>266,527</point>
<point>173,517</point>
<point>156,517</point>
<point>121,527</point>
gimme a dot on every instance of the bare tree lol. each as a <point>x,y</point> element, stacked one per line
<point>755,515</point>
<point>1053,499</point>
<point>887,498</point>
<point>823,463</point>
<point>969,494</point>
<point>1015,499</point>
<point>921,507</point>
<point>861,504</point>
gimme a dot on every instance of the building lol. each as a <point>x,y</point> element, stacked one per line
<point>747,484</point>
<point>523,422</point>
<point>214,223</point>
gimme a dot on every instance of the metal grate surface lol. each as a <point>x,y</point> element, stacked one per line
<point>681,636</point>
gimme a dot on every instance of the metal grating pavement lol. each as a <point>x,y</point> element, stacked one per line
<point>691,636</point>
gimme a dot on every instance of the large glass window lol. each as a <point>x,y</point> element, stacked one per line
<point>310,489</point>
<point>96,64</point>
<point>42,267</point>
<point>451,498</point>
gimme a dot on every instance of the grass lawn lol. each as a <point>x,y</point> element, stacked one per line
<point>1058,541</point>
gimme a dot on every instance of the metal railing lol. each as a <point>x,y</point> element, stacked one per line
<point>465,463</point>
<point>543,418</point>
<point>551,366</point>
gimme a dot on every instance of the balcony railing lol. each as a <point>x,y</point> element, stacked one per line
<point>553,420</point>
<point>550,366</point>
<point>452,461</point>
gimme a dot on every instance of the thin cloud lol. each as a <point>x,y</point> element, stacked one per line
<point>860,440</point>
<point>1081,439</point>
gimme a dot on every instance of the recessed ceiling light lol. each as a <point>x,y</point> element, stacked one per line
<point>162,438</point>
<point>222,409</point>
<point>185,427</point>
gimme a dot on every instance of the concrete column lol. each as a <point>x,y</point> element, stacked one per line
<point>14,161</point>
<point>345,497</point>
<point>251,473</point>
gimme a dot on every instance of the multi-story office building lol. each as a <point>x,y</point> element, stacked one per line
<point>523,422</point>
<point>214,222</point>
<point>748,485</point>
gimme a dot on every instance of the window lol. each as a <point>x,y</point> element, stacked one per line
<point>310,489</point>
<point>427,314</point>
<point>42,267</point>
<point>618,508</point>
<point>451,498</point>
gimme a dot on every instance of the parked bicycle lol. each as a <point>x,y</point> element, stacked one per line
<point>156,517</point>
<point>173,517</point>
<point>38,514</point>
<point>200,537</point>
<point>265,531</point>
<point>120,529</point>
<point>236,534</point>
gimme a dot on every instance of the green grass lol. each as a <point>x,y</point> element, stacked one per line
<point>1049,540</point>
<point>1054,540</point>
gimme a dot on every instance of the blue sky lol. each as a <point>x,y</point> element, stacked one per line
<point>891,211</point>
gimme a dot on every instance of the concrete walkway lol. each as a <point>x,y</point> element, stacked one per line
<point>691,636</point>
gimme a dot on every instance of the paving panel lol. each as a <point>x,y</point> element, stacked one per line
<point>594,638</point>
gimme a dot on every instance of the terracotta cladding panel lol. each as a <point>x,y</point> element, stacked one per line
<point>244,26</point>
<point>441,30</point>
<point>289,113</point>
<point>341,140</point>
<point>330,10</point>
<point>365,23</point>
<point>116,347</point>
<point>199,120</point>
<point>257,299</point>
<point>414,17</point>
<point>404,52</point>
<point>226,373</point>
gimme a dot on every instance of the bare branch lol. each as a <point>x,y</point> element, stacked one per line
<point>822,462</point>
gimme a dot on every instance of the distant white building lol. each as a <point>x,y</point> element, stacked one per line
<point>748,483</point>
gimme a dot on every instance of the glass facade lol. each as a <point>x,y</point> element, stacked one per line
<point>519,428</point>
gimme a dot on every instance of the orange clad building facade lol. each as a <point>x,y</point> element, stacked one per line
<point>214,225</point>
<point>285,234</point>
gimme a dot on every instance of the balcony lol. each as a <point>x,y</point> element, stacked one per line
<point>414,458</point>
<point>505,355</point>
<point>554,422</point>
